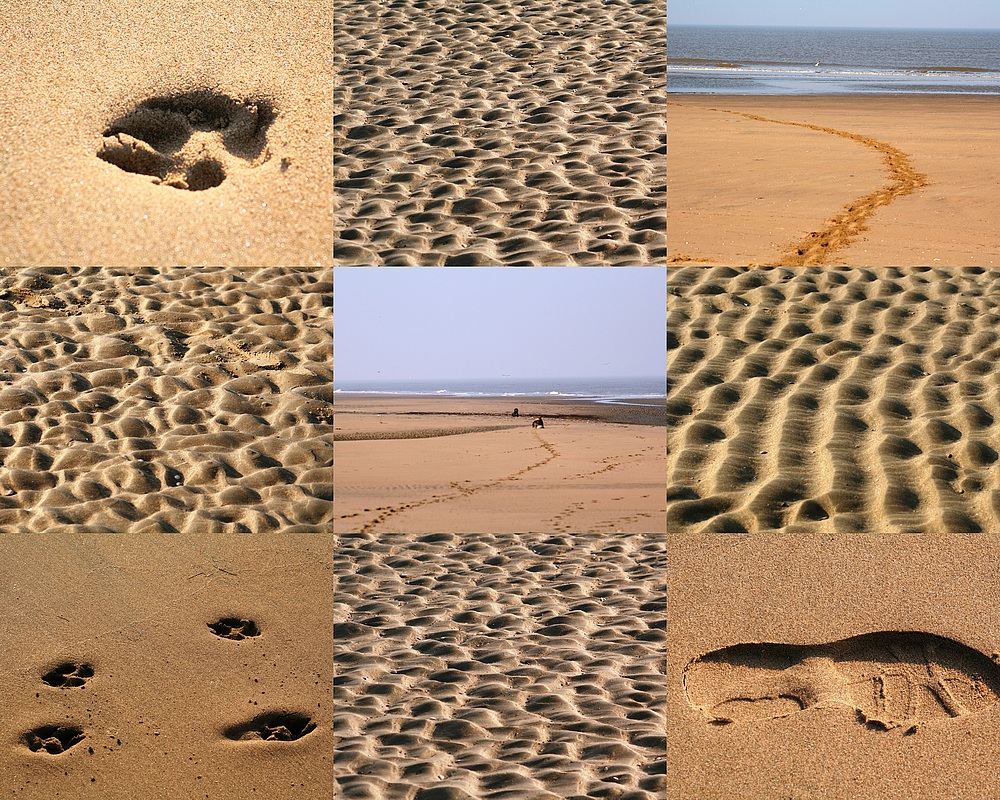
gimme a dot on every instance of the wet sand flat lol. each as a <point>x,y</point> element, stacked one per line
<point>839,400</point>
<point>496,666</point>
<point>863,666</point>
<point>146,399</point>
<point>426,464</point>
<point>518,132</point>
<point>874,180</point>
<point>166,667</point>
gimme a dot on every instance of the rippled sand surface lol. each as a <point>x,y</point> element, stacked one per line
<point>833,399</point>
<point>520,132</point>
<point>500,666</point>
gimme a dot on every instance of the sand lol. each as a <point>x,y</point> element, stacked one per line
<point>509,133</point>
<point>193,400</point>
<point>499,666</point>
<point>837,400</point>
<point>872,671</point>
<point>879,180</point>
<point>166,133</point>
<point>113,654</point>
<point>432,465</point>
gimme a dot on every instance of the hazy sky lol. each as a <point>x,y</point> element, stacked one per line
<point>838,13</point>
<point>481,322</point>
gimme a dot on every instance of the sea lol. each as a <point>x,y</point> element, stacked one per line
<point>757,60</point>
<point>625,391</point>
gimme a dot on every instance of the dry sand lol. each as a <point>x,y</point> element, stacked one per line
<point>872,180</point>
<point>430,464</point>
<point>500,667</point>
<point>517,132</point>
<point>858,666</point>
<point>166,133</point>
<point>833,399</point>
<point>190,400</point>
<point>120,652</point>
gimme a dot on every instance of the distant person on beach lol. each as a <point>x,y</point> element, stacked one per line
<point>515,414</point>
<point>537,423</point>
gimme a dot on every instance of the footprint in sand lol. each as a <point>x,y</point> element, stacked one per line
<point>274,726</point>
<point>191,140</point>
<point>52,739</point>
<point>68,674</point>
<point>234,628</point>
<point>892,679</point>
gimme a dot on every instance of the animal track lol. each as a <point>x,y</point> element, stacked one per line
<point>191,140</point>
<point>53,739</point>
<point>274,726</point>
<point>892,679</point>
<point>233,628</point>
<point>68,674</point>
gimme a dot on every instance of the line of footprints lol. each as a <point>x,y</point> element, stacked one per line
<point>272,726</point>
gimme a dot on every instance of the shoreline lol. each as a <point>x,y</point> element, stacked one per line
<point>878,179</point>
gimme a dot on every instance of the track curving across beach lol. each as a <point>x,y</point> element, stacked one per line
<point>840,230</point>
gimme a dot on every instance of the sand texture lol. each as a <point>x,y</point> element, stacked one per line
<point>166,133</point>
<point>873,180</point>
<point>862,666</point>
<point>429,465</point>
<point>498,667</point>
<point>166,667</point>
<point>517,132</point>
<point>188,400</point>
<point>833,400</point>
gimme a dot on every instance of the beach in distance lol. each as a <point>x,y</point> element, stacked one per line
<point>445,463</point>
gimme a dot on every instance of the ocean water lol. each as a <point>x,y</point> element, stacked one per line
<point>632,391</point>
<point>744,60</point>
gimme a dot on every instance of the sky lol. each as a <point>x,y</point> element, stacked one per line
<point>838,13</point>
<point>481,322</point>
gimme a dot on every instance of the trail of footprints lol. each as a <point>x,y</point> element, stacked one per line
<point>271,726</point>
<point>890,679</point>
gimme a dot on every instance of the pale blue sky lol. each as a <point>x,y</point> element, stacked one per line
<point>482,322</point>
<point>838,13</point>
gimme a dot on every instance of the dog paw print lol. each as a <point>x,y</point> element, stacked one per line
<point>233,628</point>
<point>68,674</point>
<point>53,739</point>
<point>275,726</point>
<point>191,140</point>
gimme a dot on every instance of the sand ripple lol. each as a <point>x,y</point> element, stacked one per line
<point>151,399</point>
<point>520,132</point>
<point>833,400</point>
<point>500,666</point>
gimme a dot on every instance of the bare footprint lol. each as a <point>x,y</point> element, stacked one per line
<point>892,679</point>
<point>274,726</point>
<point>191,140</point>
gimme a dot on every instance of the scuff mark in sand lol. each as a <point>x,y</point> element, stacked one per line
<point>817,246</point>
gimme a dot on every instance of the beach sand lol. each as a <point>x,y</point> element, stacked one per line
<point>125,653</point>
<point>193,400</point>
<point>111,109</point>
<point>500,666</point>
<point>509,133</point>
<point>872,180</point>
<point>431,464</point>
<point>889,689</point>
<point>837,400</point>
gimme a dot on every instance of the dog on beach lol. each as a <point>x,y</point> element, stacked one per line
<point>515,414</point>
<point>537,423</point>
